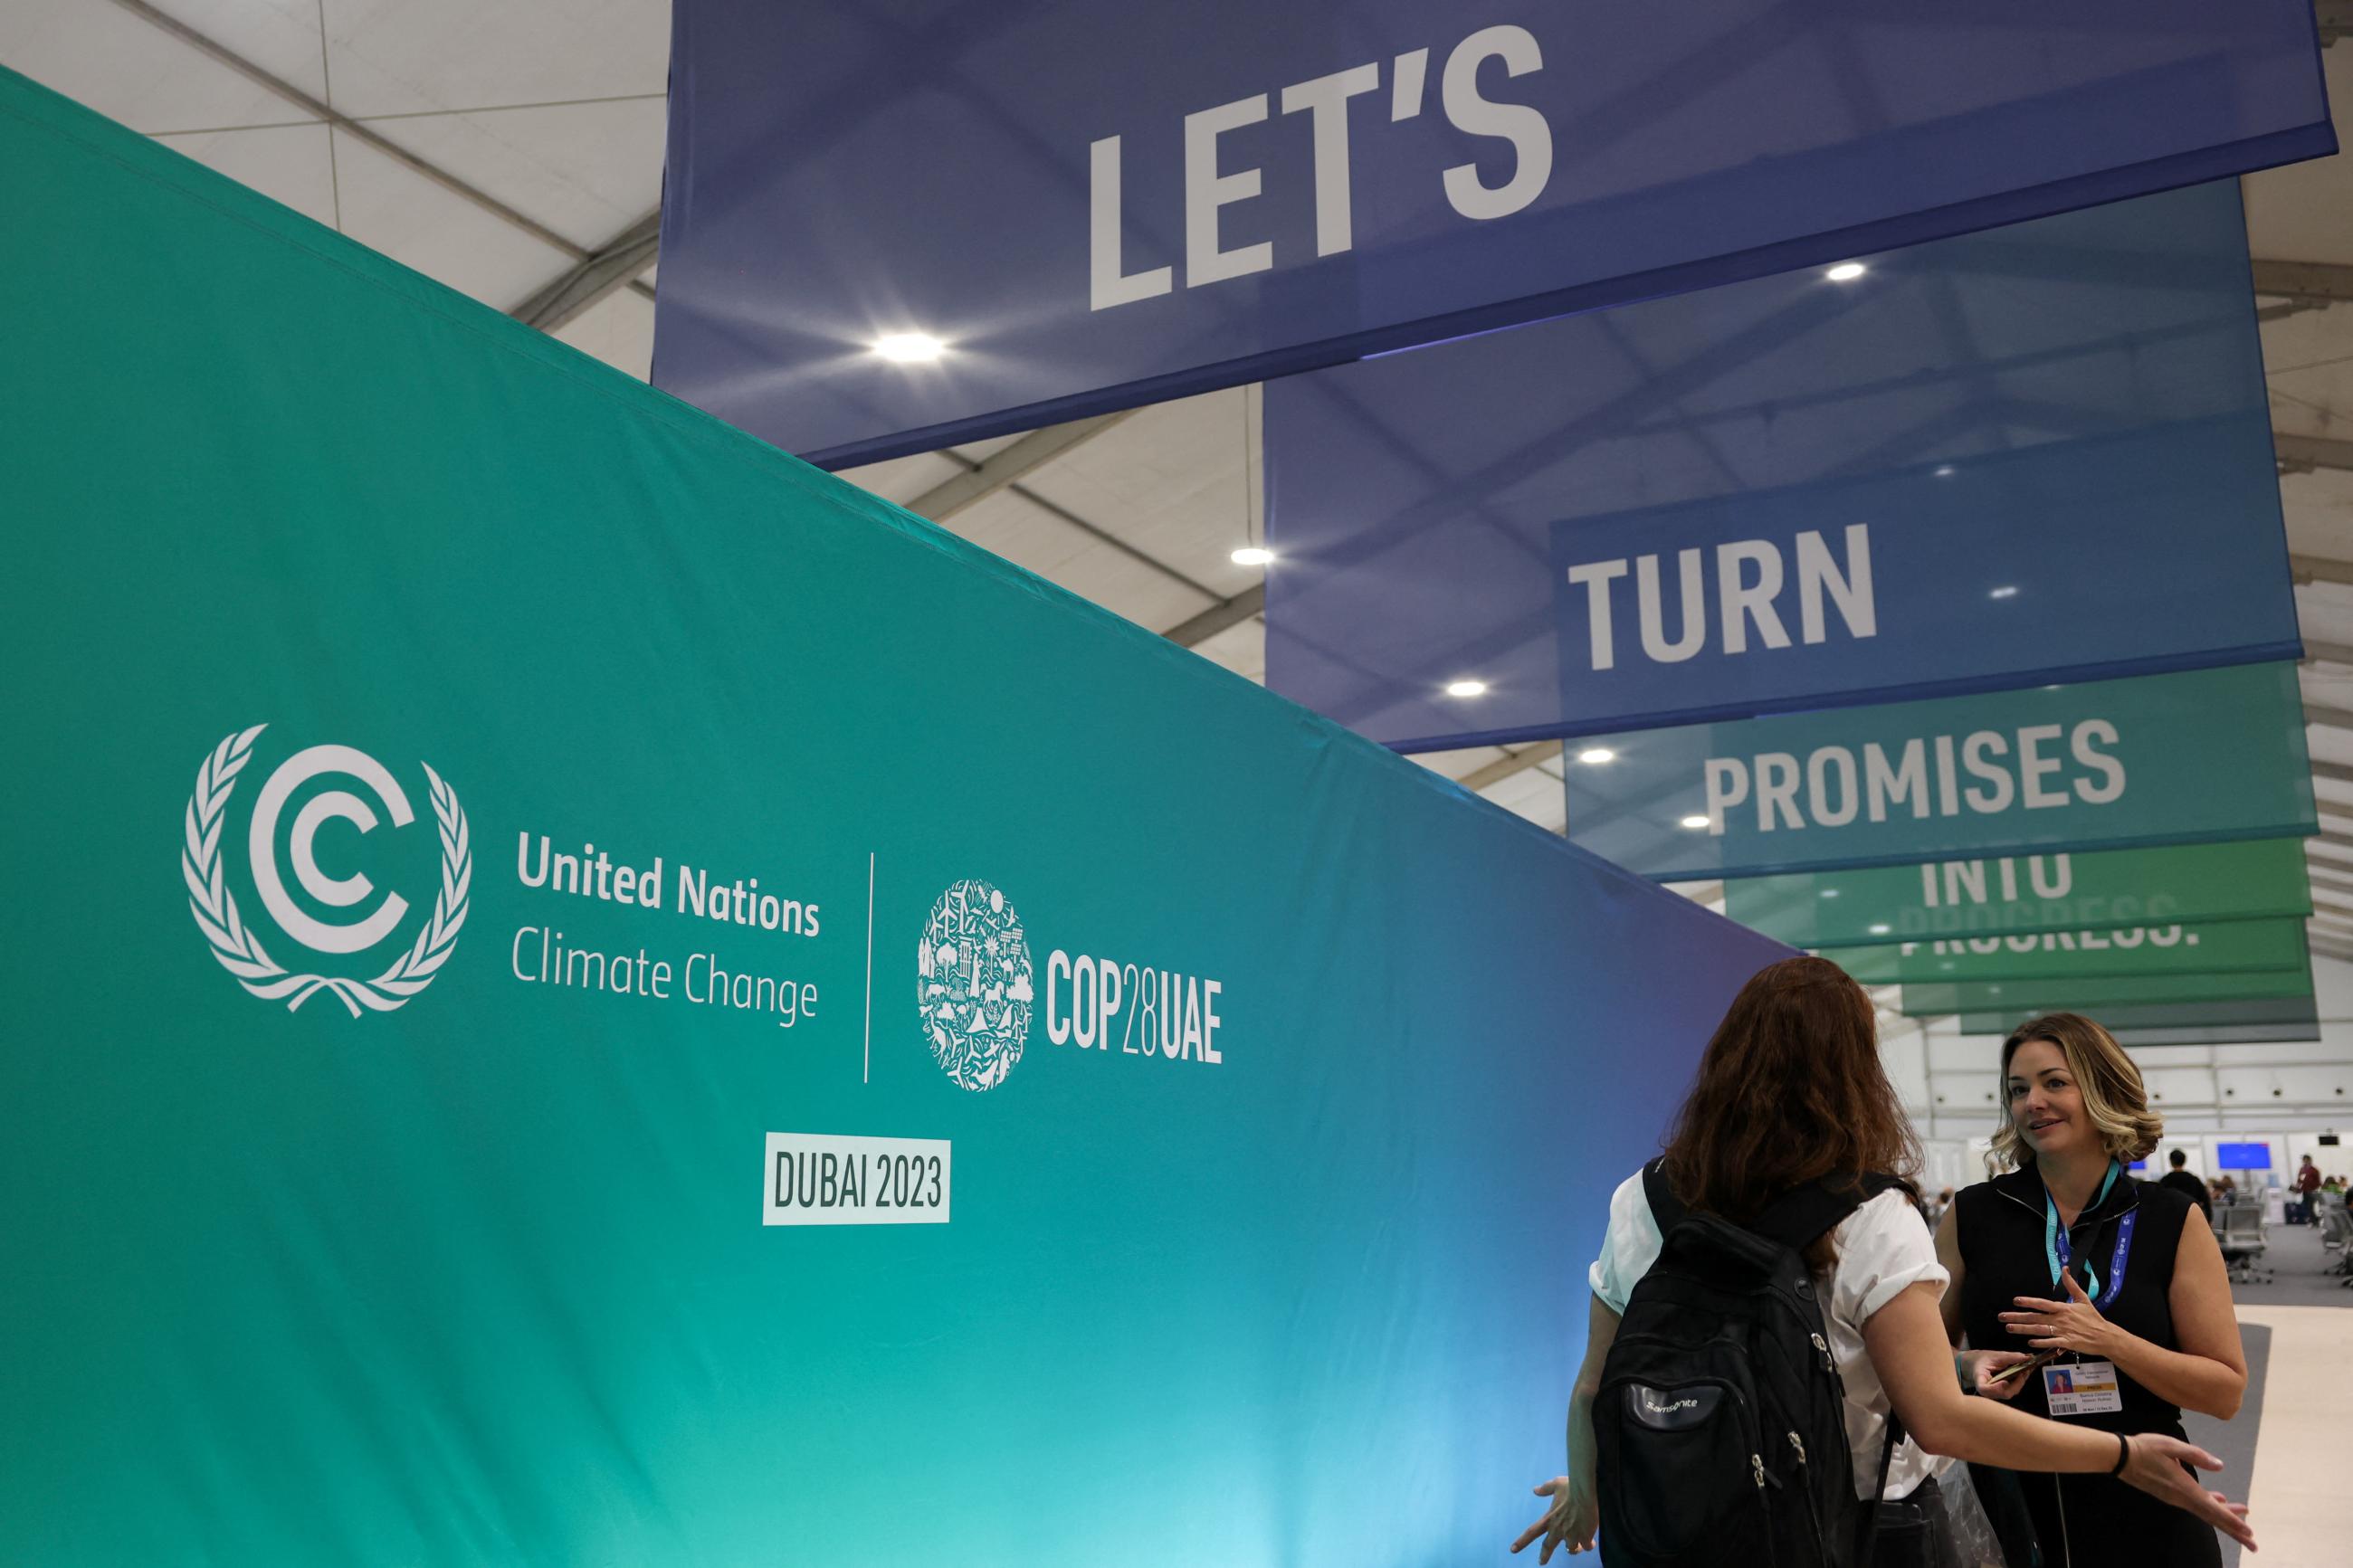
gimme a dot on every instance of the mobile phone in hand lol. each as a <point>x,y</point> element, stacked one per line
<point>2020,1369</point>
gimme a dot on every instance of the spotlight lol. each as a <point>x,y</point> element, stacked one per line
<point>909,347</point>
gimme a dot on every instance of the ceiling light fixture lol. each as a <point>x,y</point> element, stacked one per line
<point>1879,931</point>
<point>1946,470</point>
<point>909,347</point>
<point>1846,272</point>
<point>1594,756</point>
<point>1466,688</point>
<point>1253,555</point>
<point>1695,821</point>
<point>2007,591</point>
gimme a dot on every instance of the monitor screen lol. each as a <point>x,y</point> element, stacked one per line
<point>2246,1156</point>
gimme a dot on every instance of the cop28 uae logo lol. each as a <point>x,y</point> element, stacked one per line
<point>972,983</point>
<point>240,949</point>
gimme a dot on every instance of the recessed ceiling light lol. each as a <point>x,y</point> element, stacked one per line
<point>1253,555</point>
<point>1695,821</point>
<point>1846,272</point>
<point>909,347</point>
<point>1879,930</point>
<point>1829,892</point>
<point>1466,688</point>
<point>2007,591</point>
<point>1595,756</point>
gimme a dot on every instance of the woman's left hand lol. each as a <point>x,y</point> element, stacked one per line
<point>2073,1324</point>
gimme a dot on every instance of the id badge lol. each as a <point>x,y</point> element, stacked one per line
<point>2082,1388</point>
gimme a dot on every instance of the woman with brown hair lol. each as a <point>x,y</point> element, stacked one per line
<point>1790,1092</point>
<point>2121,1281</point>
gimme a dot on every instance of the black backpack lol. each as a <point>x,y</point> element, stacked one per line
<point>1720,1425</point>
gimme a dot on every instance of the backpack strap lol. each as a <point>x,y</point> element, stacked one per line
<point>1666,1207</point>
<point>1799,1217</point>
<point>1879,1491</point>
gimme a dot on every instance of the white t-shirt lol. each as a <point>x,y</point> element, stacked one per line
<point>1883,1251</point>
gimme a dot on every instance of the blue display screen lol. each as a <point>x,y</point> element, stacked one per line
<point>2246,1156</point>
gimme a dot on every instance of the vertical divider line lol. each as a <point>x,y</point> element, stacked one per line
<point>866,1069</point>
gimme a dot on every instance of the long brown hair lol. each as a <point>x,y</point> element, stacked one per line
<point>1789,1090</point>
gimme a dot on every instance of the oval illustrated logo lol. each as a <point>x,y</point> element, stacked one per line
<point>972,984</point>
<point>238,946</point>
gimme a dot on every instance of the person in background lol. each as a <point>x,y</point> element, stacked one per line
<point>2307,1182</point>
<point>1790,1090</point>
<point>2182,1181</point>
<point>2065,1252</point>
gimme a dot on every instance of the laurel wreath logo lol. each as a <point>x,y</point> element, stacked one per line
<point>239,950</point>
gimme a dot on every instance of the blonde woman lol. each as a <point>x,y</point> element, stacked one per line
<point>2120,1280</point>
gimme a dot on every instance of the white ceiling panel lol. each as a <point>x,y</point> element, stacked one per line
<point>901,480</point>
<point>1455,764</point>
<point>588,171</point>
<point>1031,537</point>
<point>1174,475</point>
<point>288,163</point>
<point>102,56</point>
<point>281,36</point>
<point>1240,649</point>
<point>2319,510</point>
<point>403,57</point>
<point>2308,370</point>
<point>2304,212</point>
<point>618,329</point>
<point>442,235</point>
<point>2324,612</point>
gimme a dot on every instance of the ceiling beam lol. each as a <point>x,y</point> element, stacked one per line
<point>1008,464</point>
<point>2319,652</point>
<point>2295,454</point>
<point>2341,882</point>
<point>2321,714</point>
<point>1227,613</point>
<point>1504,767</point>
<point>595,276</point>
<point>2327,281</point>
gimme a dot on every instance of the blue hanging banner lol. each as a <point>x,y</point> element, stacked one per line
<point>1096,205</point>
<point>2005,459</point>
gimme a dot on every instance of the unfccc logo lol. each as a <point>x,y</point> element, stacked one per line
<point>239,950</point>
<point>972,984</point>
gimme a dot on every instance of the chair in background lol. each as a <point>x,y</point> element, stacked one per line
<point>2337,1233</point>
<point>2238,1227</point>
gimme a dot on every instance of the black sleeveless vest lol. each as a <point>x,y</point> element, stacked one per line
<point>2001,1235</point>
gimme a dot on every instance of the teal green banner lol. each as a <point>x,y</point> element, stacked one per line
<point>2026,997</point>
<point>2012,895</point>
<point>2258,1022</point>
<point>2230,947</point>
<point>582,993</point>
<point>2207,754</point>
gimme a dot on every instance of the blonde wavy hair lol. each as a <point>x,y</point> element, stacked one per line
<point>2112,1092</point>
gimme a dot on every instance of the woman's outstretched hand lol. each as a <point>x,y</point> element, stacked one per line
<point>2155,1463</point>
<point>1573,1522</point>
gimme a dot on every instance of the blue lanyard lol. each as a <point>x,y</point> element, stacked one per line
<point>2059,1249</point>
